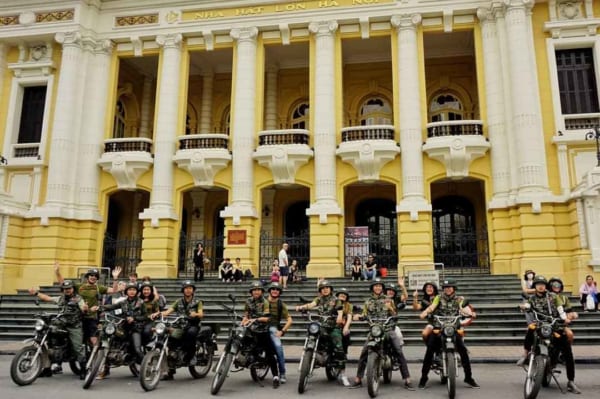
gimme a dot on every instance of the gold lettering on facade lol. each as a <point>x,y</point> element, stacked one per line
<point>328,3</point>
<point>361,2</point>
<point>290,7</point>
<point>209,14</point>
<point>249,11</point>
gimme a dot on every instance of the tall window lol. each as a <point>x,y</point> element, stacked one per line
<point>32,114</point>
<point>300,116</point>
<point>577,81</point>
<point>119,125</point>
<point>445,107</point>
<point>375,111</point>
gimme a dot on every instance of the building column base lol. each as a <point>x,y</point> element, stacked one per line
<point>159,250</point>
<point>326,247</point>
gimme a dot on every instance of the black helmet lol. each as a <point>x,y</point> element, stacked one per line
<point>323,284</point>
<point>146,284</point>
<point>540,279</point>
<point>343,290</point>
<point>275,286</point>
<point>92,272</point>
<point>449,282</point>
<point>187,283</point>
<point>392,287</point>
<point>376,282</point>
<point>434,285</point>
<point>556,280</point>
<point>132,285</point>
<point>66,284</point>
<point>256,285</point>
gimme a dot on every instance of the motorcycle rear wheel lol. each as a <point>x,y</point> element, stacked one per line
<point>222,371</point>
<point>94,365</point>
<point>204,360</point>
<point>22,371</point>
<point>535,374</point>
<point>74,366</point>
<point>451,373</point>
<point>387,376</point>
<point>373,373</point>
<point>150,370</point>
<point>305,370</point>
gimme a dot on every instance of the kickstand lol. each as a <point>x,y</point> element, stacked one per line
<point>563,391</point>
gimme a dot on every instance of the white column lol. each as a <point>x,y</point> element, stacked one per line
<point>243,125</point>
<point>526,118</point>
<point>161,200</point>
<point>91,143</point>
<point>205,125</point>
<point>323,114</point>
<point>2,72</point>
<point>271,98</point>
<point>409,111</point>
<point>145,108</point>
<point>492,61</point>
<point>62,145</point>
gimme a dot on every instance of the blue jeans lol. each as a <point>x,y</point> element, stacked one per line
<point>278,349</point>
<point>369,275</point>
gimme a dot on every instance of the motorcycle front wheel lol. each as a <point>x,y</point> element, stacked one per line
<point>387,376</point>
<point>373,373</point>
<point>150,370</point>
<point>22,370</point>
<point>305,370</point>
<point>450,373</point>
<point>535,375</point>
<point>204,360</point>
<point>221,373</point>
<point>93,366</point>
<point>74,366</point>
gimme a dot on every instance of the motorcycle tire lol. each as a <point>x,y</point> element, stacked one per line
<point>150,370</point>
<point>22,371</point>
<point>547,374</point>
<point>259,371</point>
<point>135,369</point>
<point>305,370</point>
<point>387,376</point>
<point>451,373</point>
<point>535,374</point>
<point>332,372</point>
<point>204,360</point>
<point>373,373</point>
<point>74,366</point>
<point>94,364</point>
<point>221,373</point>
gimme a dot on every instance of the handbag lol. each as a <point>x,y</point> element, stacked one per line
<point>590,303</point>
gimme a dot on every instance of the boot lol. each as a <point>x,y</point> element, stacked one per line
<point>82,370</point>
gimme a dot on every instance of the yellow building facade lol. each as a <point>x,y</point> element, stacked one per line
<point>455,133</point>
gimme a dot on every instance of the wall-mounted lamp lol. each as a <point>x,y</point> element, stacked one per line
<point>3,161</point>
<point>266,210</point>
<point>196,212</point>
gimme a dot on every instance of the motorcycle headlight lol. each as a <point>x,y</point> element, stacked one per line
<point>160,328</point>
<point>240,332</point>
<point>546,331</point>
<point>109,329</point>
<point>313,328</point>
<point>39,325</point>
<point>376,331</point>
<point>449,331</point>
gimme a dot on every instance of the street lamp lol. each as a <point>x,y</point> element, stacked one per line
<point>595,134</point>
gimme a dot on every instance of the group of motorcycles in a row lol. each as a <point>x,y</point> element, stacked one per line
<point>50,345</point>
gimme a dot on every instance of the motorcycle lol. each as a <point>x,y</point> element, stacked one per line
<point>162,356</point>
<point>543,357</point>
<point>318,351</point>
<point>50,344</point>
<point>241,350</point>
<point>382,358</point>
<point>112,349</point>
<point>448,328</point>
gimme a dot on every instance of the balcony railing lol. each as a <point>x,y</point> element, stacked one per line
<point>127,144</point>
<point>282,137</point>
<point>371,132</point>
<point>26,150</point>
<point>455,128</point>
<point>198,141</point>
<point>582,121</point>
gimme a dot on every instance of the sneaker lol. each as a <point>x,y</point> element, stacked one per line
<point>282,379</point>
<point>57,369</point>
<point>355,384</point>
<point>571,387</point>
<point>408,385</point>
<point>275,382</point>
<point>343,380</point>
<point>422,382</point>
<point>102,375</point>
<point>521,361</point>
<point>471,382</point>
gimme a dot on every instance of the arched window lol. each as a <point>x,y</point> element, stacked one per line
<point>375,111</point>
<point>225,122</point>
<point>188,121</point>
<point>299,117</point>
<point>119,123</point>
<point>446,107</point>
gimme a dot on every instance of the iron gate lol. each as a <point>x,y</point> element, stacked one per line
<point>125,252</point>
<point>463,251</point>
<point>383,244</point>
<point>299,249</point>
<point>213,251</point>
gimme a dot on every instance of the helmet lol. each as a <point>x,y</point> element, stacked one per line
<point>146,284</point>
<point>376,282</point>
<point>392,287</point>
<point>540,279</point>
<point>323,284</point>
<point>187,283</point>
<point>131,285</point>
<point>275,286</point>
<point>92,272</point>
<point>67,284</point>
<point>256,286</point>
<point>434,285</point>
<point>343,290</point>
<point>556,280</point>
<point>449,282</point>
<point>527,272</point>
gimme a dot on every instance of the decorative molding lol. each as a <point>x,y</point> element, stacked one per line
<point>447,17</point>
<point>364,27</point>
<point>126,167</point>
<point>368,156</point>
<point>321,28</point>
<point>406,21</point>
<point>7,20</point>
<point>132,20</point>
<point>456,152</point>
<point>55,16</point>
<point>247,34</point>
<point>284,29</point>
<point>209,40</point>
<point>283,160</point>
<point>170,41</point>
<point>138,46</point>
<point>202,163</point>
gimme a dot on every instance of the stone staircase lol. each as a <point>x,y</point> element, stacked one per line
<point>495,298</point>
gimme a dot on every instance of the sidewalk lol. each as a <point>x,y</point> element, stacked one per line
<point>414,354</point>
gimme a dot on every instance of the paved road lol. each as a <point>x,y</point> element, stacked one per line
<point>498,381</point>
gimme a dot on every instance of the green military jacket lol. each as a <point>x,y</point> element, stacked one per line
<point>71,308</point>
<point>375,307</point>
<point>329,306</point>
<point>255,308</point>
<point>449,305</point>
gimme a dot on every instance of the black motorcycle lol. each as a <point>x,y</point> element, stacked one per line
<point>318,351</point>
<point>49,345</point>
<point>382,358</point>
<point>241,350</point>
<point>544,355</point>
<point>446,360</point>
<point>112,349</point>
<point>163,355</point>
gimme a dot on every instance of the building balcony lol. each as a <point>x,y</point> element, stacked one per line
<point>127,159</point>
<point>283,152</point>
<point>203,156</point>
<point>368,149</point>
<point>456,144</point>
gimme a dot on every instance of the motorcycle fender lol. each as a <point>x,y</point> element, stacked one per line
<point>30,341</point>
<point>450,345</point>
<point>235,348</point>
<point>311,344</point>
<point>543,350</point>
